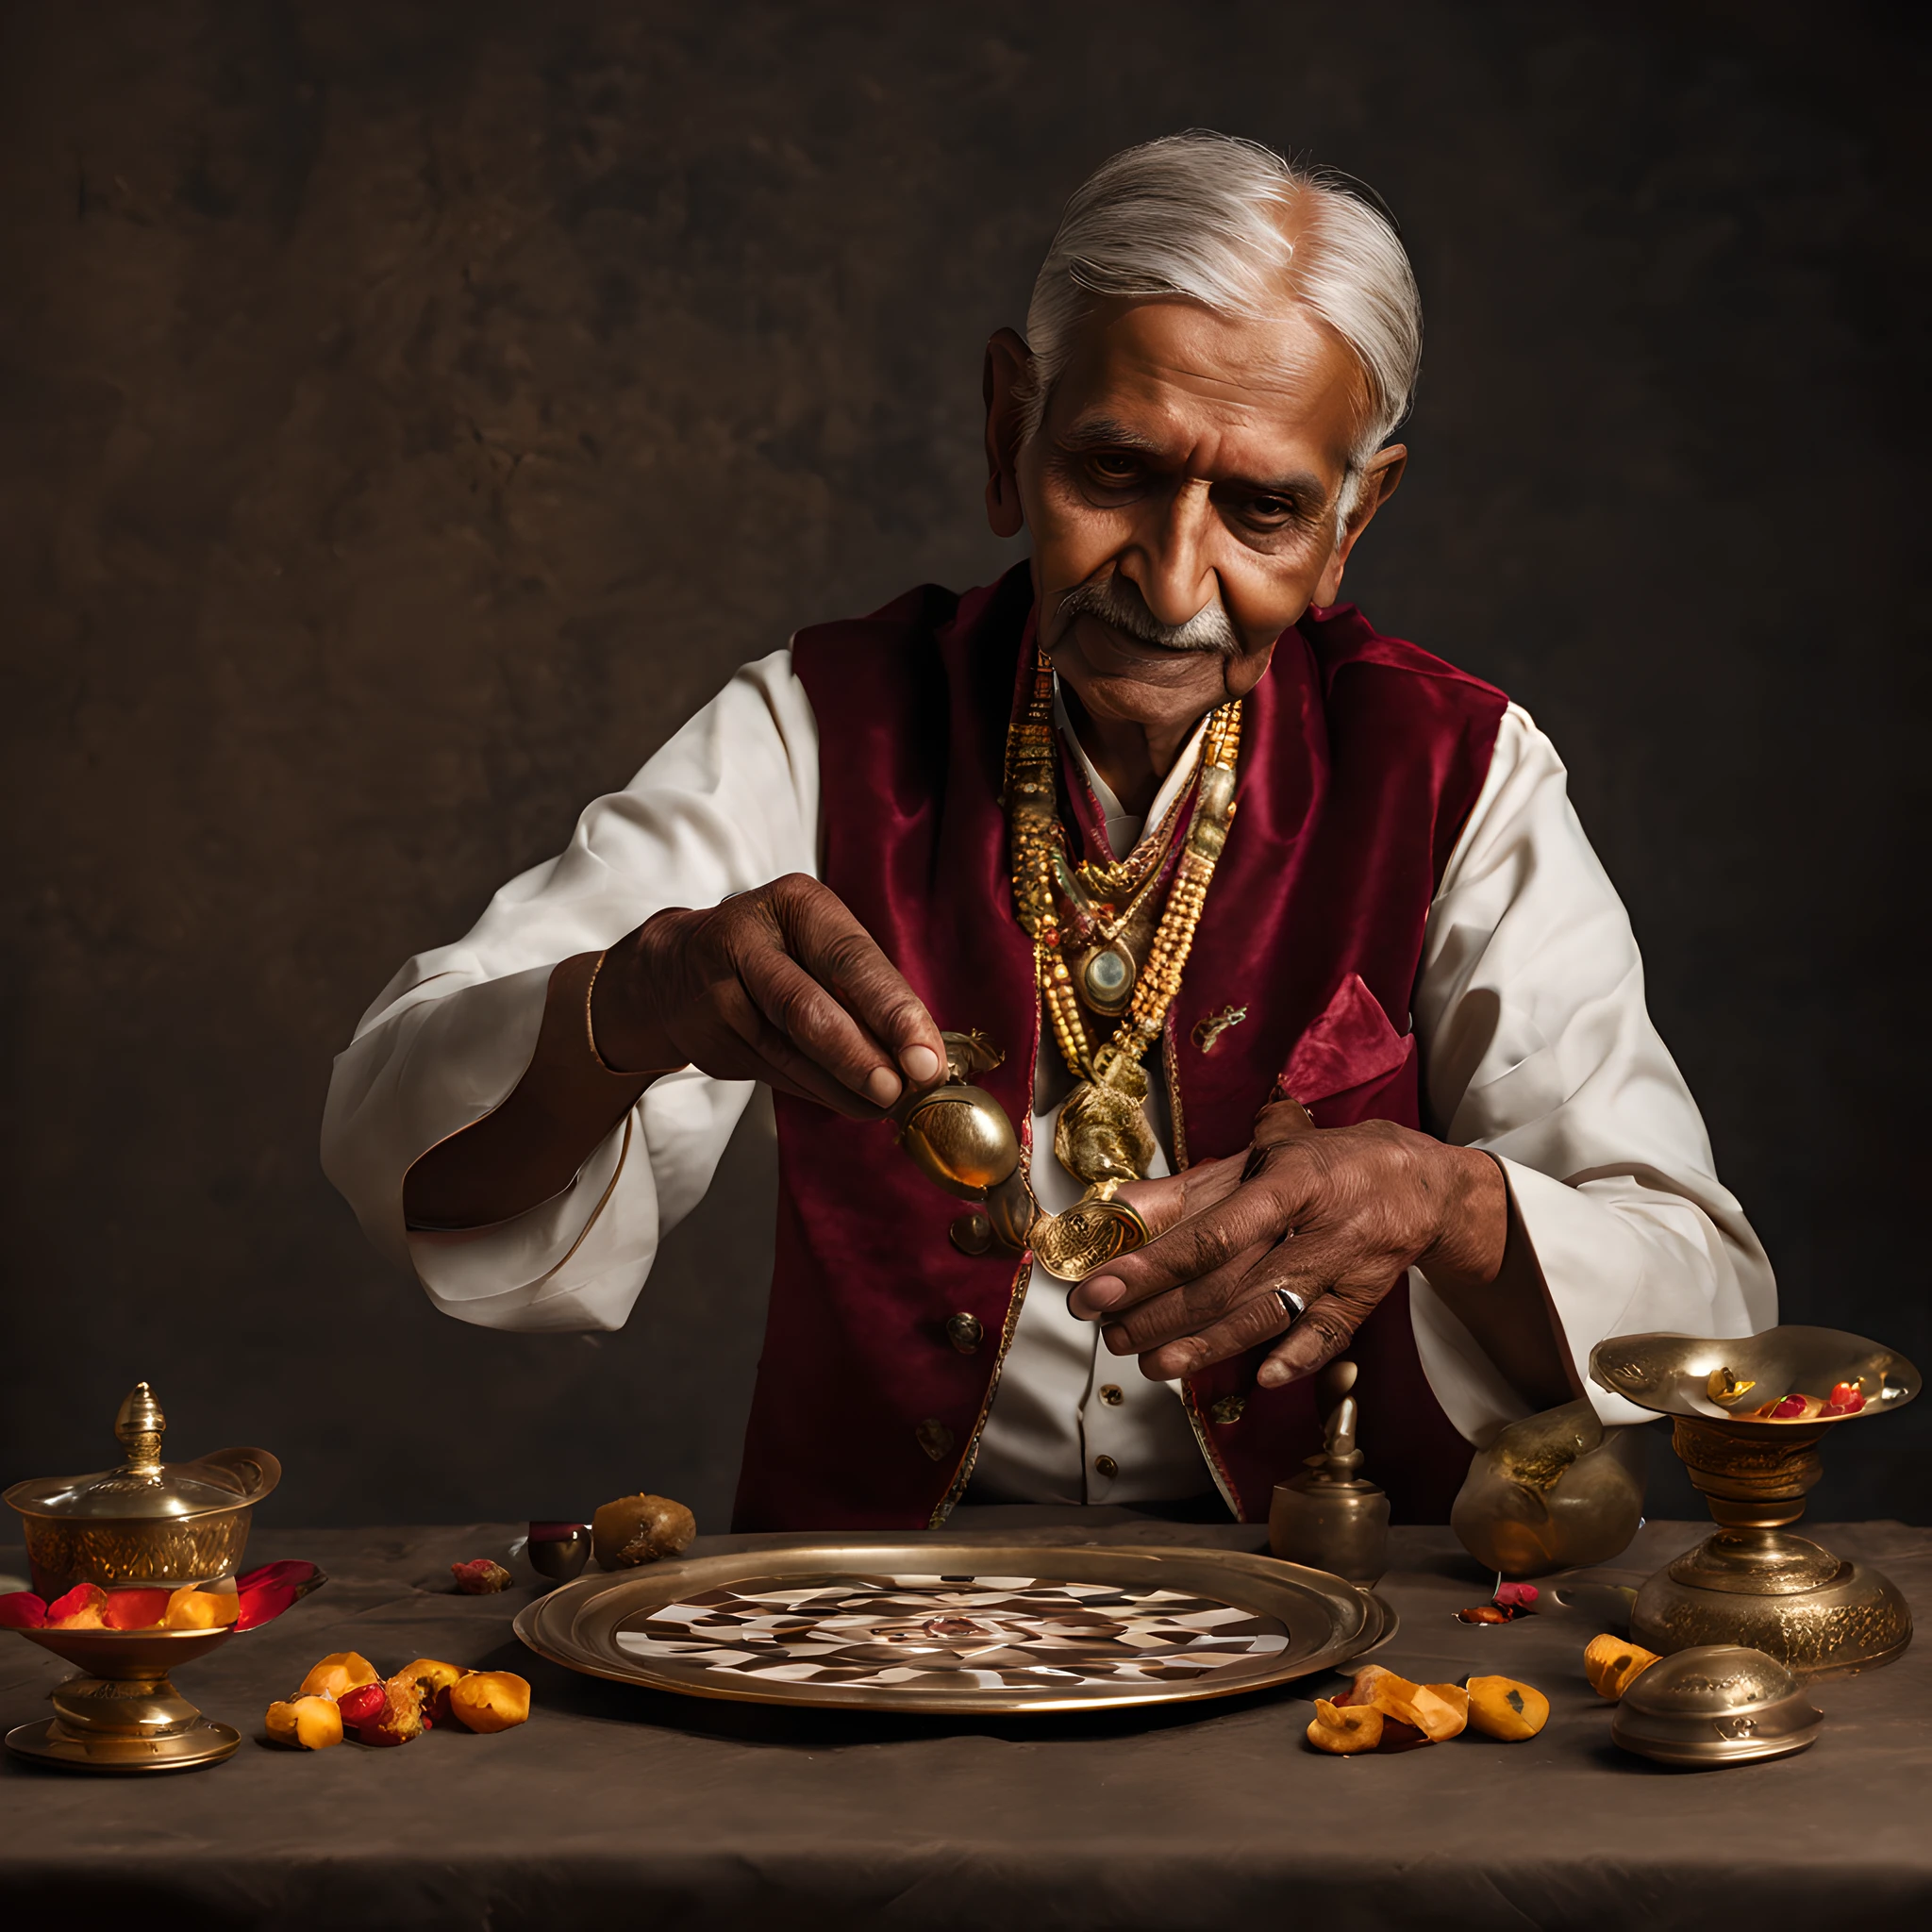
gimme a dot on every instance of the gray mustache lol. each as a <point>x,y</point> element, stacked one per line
<point>1114,601</point>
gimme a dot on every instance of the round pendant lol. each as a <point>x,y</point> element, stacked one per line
<point>1106,979</point>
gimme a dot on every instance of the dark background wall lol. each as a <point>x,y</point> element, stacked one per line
<point>413,412</point>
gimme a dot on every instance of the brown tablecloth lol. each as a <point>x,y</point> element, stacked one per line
<point>621,1807</point>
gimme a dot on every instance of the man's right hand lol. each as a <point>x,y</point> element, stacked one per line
<point>781,984</point>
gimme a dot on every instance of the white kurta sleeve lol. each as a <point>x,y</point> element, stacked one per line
<point>730,803</point>
<point>1537,1048</point>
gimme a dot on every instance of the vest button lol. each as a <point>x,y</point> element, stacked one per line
<point>1111,1395</point>
<point>965,1332</point>
<point>933,1437</point>
<point>1107,1466</point>
<point>1228,1409</point>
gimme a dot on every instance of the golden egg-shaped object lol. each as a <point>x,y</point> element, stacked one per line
<point>960,1136</point>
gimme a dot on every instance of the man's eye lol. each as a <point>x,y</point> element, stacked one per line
<point>1114,469</point>
<point>1271,509</point>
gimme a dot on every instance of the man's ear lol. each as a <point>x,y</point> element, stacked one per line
<point>1008,367</point>
<point>1379,481</point>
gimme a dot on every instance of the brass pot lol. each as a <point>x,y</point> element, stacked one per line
<point>146,1522</point>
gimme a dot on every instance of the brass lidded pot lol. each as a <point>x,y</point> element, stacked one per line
<point>148,1521</point>
<point>1712,1705</point>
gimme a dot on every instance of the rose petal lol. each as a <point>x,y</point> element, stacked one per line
<point>21,1610</point>
<point>264,1604</point>
<point>288,1571</point>
<point>1516,1596</point>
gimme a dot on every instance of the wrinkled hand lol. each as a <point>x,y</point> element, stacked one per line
<point>1335,1216</point>
<point>781,984</point>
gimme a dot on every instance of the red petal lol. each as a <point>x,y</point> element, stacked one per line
<point>300,1577</point>
<point>21,1610</point>
<point>83,1596</point>
<point>1516,1596</point>
<point>263,1604</point>
<point>135,1609</point>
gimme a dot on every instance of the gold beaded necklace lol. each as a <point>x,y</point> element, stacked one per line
<point>1102,1135</point>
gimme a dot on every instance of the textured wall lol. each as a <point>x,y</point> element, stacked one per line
<point>413,412</point>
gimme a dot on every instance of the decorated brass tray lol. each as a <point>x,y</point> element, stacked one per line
<point>958,1627</point>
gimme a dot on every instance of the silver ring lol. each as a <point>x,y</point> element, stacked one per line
<point>1292,1304</point>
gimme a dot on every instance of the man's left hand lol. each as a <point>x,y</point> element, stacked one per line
<point>1335,1216</point>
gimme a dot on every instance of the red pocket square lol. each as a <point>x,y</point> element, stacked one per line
<point>1351,1044</point>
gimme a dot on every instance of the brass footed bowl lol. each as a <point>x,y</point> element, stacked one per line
<point>1755,1581</point>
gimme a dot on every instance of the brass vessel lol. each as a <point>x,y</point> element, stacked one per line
<point>962,1138</point>
<point>1753,1582</point>
<point>1714,1705</point>
<point>1554,1492</point>
<point>1331,1516</point>
<point>148,1521</point>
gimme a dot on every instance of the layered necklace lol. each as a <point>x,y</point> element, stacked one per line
<point>1096,940</point>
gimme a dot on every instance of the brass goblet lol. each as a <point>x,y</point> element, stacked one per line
<point>122,1713</point>
<point>1753,1582</point>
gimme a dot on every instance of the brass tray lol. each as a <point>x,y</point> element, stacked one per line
<point>960,1628</point>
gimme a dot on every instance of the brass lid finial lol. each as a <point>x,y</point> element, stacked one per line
<point>139,1426</point>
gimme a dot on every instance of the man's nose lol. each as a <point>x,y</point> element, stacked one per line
<point>1168,561</point>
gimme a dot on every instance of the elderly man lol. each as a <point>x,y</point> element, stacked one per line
<point>1300,914</point>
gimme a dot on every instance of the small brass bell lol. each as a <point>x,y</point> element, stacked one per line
<point>1331,1516</point>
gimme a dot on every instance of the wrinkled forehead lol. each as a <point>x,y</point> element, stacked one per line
<point>1184,380</point>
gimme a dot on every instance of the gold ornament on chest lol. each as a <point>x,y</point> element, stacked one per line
<point>1106,940</point>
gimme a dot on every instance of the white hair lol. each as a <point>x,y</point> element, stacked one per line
<point>1230,223</point>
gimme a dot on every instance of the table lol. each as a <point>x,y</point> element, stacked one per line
<point>622,1807</point>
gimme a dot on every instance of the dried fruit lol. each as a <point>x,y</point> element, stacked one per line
<point>306,1724</point>
<point>1613,1663</point>
<point>1439,1711</point>
<point>1846,1398</point>
<point>135,1609</point>
<point>1502,1708</point>
<point>641,1529</point>
<point>481,1576</point>
<point>397,1720</point>
<point>337,1674</point>
<point>364,1705</point>
<point>193,1608</point>
<point>490,1700</point>
<point>1790,1408</point>
<point>80,1608</point>
<point>21,1610</point>
<point>1724,1387</point>
<point>434,1680</point>
<point>1345,1730</point>
<point>1486,1613</point>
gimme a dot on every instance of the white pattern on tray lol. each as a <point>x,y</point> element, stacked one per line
<point>1012,1633</point>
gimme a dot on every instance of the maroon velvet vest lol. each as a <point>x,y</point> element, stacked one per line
<point>1361,757</point>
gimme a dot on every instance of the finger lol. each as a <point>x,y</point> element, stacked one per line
<point>838,951</point>
<point>1255,1213</point>
<point>1182,1310</point>
<point>807,1015</point>
<point>1242,1327</point>
<point>744,1044</point>
<point>1318,1337</point>
<point>1164,1204</point>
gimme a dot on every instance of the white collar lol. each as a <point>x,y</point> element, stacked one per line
<point>1123,828</point>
